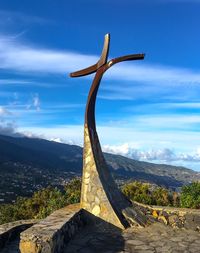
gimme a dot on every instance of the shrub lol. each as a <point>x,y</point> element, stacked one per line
<point>146,194</point>
<point>190,195</point>
<point>138,191</point>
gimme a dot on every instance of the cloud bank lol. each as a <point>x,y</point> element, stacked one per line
<point>162,155</point>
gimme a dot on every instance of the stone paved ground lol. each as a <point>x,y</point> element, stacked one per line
<point>156,238</point>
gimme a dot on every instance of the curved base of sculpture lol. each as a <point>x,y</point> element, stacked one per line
<point>100,194</point>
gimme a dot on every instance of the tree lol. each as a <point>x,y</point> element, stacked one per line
<point>162,197</point>
<point>146,194</point>
<point>138,191</point>
<point>190,195</point>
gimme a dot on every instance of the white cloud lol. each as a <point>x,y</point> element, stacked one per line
<point>13,81</point>
<point>153,73</point>
<point>127,149</point>
<point>59,140</point>
<point>25,58</point>
<point>21,58</point>
<point>8,128</point>
<point>35,102</point>
<point>181,105</point>
<point>123,149</point>
<point>72,134</point>
<point>7,124</point>
<point>4,111</point>
<point>157,155</point>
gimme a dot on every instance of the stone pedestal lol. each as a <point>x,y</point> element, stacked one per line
<point>100,195</point>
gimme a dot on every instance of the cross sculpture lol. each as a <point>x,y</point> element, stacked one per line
<point>100,195</point>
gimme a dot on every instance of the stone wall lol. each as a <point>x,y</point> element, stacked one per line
<point>176,217</point>
<point>54,232</point>
<point>10,231</point>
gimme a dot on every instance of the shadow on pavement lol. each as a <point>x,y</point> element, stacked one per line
<point>97,236</point>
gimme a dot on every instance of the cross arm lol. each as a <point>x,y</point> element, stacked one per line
<point>102,60</point>
<point>129,57</point>
<point>84,72</point>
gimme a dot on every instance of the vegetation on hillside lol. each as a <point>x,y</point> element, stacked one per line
<point>47,200</point>
<point>42,203</point>
<point>149,194</point>
<point>145,193</point>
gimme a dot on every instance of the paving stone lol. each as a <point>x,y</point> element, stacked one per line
<point>143,247</point>
<point>177,239</point>
<point>134,242</point>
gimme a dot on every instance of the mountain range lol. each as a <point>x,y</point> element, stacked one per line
<point>27,163</point>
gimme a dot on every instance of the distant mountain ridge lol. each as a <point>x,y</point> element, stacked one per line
<point>59,157</point>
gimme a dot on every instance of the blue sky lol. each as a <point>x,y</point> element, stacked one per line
<point>148,110</point>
